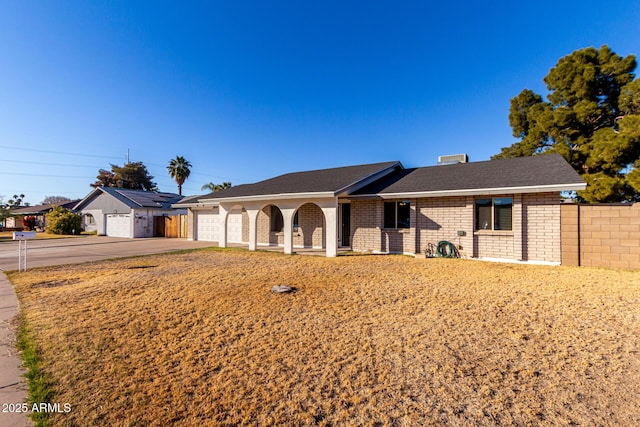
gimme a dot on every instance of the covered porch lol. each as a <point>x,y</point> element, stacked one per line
<point>300,225</point>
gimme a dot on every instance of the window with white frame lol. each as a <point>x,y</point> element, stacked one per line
<point>89,219</point>
<point>494,213</point>
<point>397,214</point>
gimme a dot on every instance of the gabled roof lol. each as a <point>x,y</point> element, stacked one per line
<point>543,173</point>
<point>134,198</point>
<point>322,182</point>
<point>41,209</point>
<point>548,172</point>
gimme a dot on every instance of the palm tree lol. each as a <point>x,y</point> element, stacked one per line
<point>16,200</point>
<point>216,187</point>
<point>179,170</point>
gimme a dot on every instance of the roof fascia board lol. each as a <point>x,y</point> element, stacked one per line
<point>263,197</point>
<point>362,182</point>
<point>87,198</point>
<point>479,191</point>
<point>194,205</point>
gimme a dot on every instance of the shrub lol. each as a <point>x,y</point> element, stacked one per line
<point>63,221</point>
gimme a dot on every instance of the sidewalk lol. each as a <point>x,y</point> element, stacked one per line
<point>13,386</point>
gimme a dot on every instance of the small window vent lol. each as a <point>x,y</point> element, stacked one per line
<point>452,159</point>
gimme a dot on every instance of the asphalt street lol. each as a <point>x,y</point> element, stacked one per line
<point>49,252</point>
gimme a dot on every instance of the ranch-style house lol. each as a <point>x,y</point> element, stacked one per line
<point>499,209</point>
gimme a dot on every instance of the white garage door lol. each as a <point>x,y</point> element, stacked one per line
<point>207,227</point>
<point>234,227</point>
<point>118,225</point>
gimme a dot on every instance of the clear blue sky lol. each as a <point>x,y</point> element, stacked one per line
<point>248,90</point>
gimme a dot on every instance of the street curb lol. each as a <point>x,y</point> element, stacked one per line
<point>13,385</point>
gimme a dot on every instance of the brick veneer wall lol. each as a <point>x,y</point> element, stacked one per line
<point>366,225</point>
<point>310,227</point>
<point>245,226</point>
<point>601,235</point>
<point>441,219</point>
<point>265,235</point>
<point>541,227</point>
<point>535,234</point>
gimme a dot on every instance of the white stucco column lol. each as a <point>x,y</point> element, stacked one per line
<point>223,214</point>
<point>287,216</point>
<point>331,223</point>
<point>252,212</point>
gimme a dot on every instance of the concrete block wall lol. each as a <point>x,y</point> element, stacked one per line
<point>606,235</point>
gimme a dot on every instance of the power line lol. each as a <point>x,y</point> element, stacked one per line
<point>209,176</point>
<point>41,175</point>
<point>48,164</point>
<point>33,150</point>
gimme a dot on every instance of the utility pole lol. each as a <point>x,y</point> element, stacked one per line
<point>128,156</point>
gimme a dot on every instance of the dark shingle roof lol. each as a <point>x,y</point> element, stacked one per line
<point>136,198</point>
<point>536,171</point>
<point>318,181</point>
<point>40,209</point>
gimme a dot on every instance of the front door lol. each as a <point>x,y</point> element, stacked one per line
<point>345,225</point>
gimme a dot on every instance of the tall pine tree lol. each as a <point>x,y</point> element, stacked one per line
<point>591,117</point>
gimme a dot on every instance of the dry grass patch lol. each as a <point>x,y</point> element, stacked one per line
<point>8,235</point>
<point>199,339</point>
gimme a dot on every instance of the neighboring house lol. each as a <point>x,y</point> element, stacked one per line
<point>120,212</point>
<point>39,212</point>
<point>501,209</point>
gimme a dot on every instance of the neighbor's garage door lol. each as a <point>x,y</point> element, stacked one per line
<point>207,227</point>
<point>118,225</point>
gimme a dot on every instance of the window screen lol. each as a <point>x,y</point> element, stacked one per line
<point>404,214</point>
<point>397,214</point>
<point>502,213</point>
<point>483,214</point>
<point>389,214</point>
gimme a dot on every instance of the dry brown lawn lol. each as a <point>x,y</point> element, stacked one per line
<point>8,235</point>
<point>199,339</point>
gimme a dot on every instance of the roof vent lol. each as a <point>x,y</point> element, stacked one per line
<point>453,159</point>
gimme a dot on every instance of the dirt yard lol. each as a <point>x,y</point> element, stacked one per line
<point>199,339</point>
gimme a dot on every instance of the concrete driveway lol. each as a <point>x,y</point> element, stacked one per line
<point>76,250</point>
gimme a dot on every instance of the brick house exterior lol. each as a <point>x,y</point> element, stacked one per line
<point>535,235</point>
<point>502,209</point>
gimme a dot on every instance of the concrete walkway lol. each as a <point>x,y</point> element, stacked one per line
<point>13,385</point>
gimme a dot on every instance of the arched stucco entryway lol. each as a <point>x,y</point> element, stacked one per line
<point>319,216</point>
<point>309,227</point>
